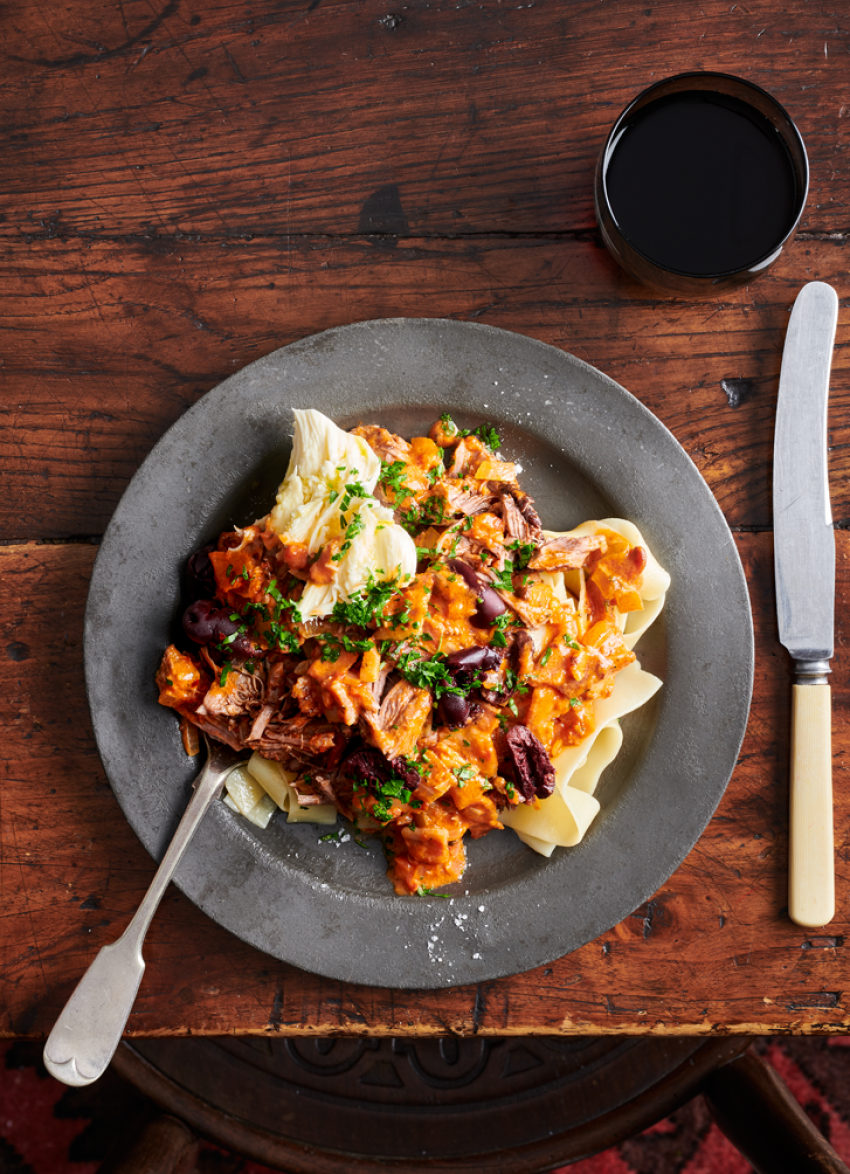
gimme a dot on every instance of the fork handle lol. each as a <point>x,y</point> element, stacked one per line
<point>88,1031</point>
<point>811,879</point>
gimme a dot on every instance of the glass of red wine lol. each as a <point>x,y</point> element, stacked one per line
<point>701,184</point>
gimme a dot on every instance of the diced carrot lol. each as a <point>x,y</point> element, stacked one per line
<point>466,792</point>
<point>370,666</point>
<point>329,670</point>
<point>490,470</point>
<point>181,682</point>
<point>238,575</point>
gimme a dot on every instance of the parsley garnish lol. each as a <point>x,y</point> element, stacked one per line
<point>486,433</point>
<point>331,646</point>
<point>367,605</point>
<point>430,513</point>
<point>489,436</point>
<point>546,657</point>
<point>354,527</point>
<point>353,489</point>
<point>504,579</point>
<point>392,476</point>
<point>499,639</point>
<point>513,683</point>
<point>431,674</point>
<point>524,553</point>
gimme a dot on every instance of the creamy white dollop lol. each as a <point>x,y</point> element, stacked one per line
<point>328,491</point>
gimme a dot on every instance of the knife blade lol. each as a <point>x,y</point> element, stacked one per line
<point>804,562</point>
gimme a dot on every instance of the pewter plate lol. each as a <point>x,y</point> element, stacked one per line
<point>588,449</point>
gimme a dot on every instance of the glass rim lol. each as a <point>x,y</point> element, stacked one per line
<point>782,122</point>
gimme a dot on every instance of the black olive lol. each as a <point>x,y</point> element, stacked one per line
<point>199,576</point>
<point>453,710</point>
<point>489,604</point>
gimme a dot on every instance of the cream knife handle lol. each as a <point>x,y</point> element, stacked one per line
<point>811,873</point>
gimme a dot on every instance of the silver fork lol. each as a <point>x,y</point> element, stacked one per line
<point>86,1034</point>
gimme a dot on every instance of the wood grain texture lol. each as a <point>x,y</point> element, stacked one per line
<point>186,187</point>
<point>713,951</point>
<point>181,117</point>
<point>107,344</point>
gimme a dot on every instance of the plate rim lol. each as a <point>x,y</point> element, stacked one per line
<point>314,345</point>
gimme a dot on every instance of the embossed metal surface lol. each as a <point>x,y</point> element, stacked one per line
<point>507,1104</point>
<point>588,449</point>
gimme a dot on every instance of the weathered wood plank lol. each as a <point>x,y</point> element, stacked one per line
<point>344,118</point>
<point>106,345</point>
<point>711,952</point>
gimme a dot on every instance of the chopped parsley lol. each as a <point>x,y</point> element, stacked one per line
<point>513,683</point>
<point>430,513</point>
<point>499,639</point>
<point>546,657</point>
<point>432,674</point>
<point>486,433</point>
<point>524,553</point>
<point>392,476</point>
<point>353,489</point>
<point>436,473</point>
<point>285,640</point>
<point>331,646</point>
<point>356,526</point>
<point>366,605</point>
<point>504,578</point>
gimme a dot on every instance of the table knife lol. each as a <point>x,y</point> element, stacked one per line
<point>804,559</point>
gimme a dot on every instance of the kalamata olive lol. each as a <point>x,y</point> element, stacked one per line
<point>490,606</point>
<point>533,768</point>
<point>242,646</point>
<point>200,621</point>
<point>471,660</point>
<point>467,574</point>
<point>199,577</point>
<point>366,763</point>
<point>453,710</point>
<point>206,623</point>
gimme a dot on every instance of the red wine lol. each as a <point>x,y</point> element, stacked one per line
<point>701,183</point>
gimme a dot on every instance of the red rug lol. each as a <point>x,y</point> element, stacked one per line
<point>46,1128</point>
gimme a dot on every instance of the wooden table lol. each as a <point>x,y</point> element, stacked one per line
<point>187,187</point>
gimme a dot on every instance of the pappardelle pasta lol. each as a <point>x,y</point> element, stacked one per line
<point>400,642</point>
